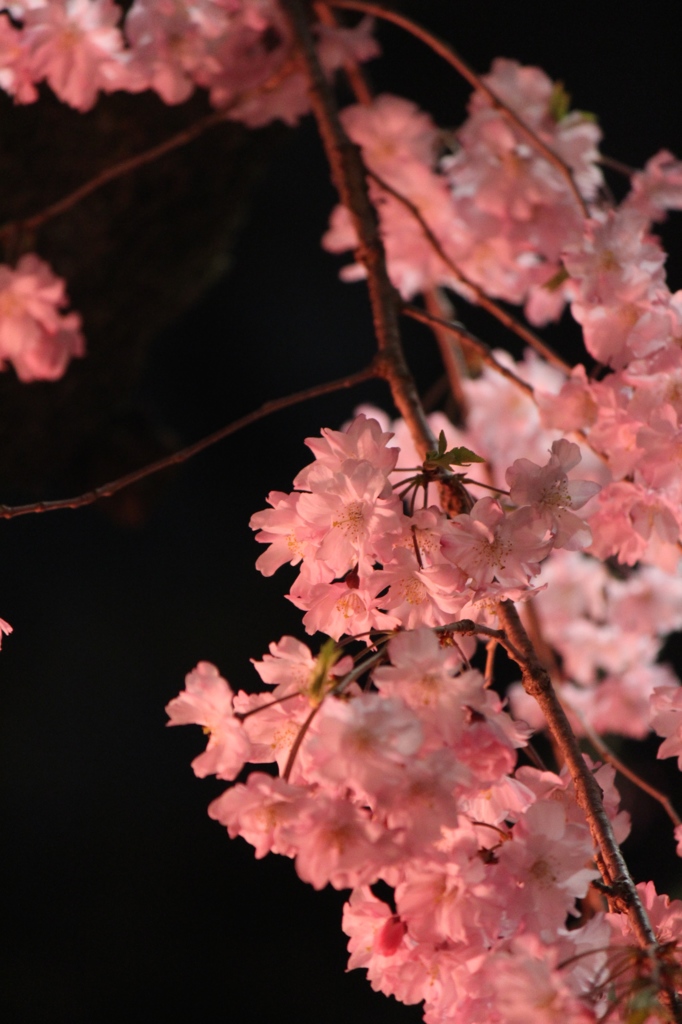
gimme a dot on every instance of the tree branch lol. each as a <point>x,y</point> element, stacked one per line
<point>181,138</point>
<point>468,340</point>
<point>348,174</point>
<point>537,683</point>
<point>267,409</point>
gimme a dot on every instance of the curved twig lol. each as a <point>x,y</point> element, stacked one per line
<point>267,409</point>
<point>468,340</point>
<point>490,306</point>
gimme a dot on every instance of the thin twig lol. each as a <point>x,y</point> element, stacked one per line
<point>471,341</point>
<point>616,165</point>
<point>446,51</point>
<point>181,138</point>
<point>296,745</point>
<point>607,754</point>
<point>468,340</point>
<point>490,306</point>
<point>467,627</point>
<point>438,304</point>
<point>267,409</point>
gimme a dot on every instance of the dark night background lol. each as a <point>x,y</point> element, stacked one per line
<point>205,292</point>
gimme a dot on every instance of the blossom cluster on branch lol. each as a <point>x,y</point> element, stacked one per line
<point>410,778</point>
<point>238,51</point>
<point>477,879</point>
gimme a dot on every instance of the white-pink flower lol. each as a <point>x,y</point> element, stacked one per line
<point>207,701</point>
<point>553,496</point>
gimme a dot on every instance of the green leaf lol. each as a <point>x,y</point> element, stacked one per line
<point>557,280</point>
<point>443,459</point>
<point>559,102</point>
<point>320,681</point>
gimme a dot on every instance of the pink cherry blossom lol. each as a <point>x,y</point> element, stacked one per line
<point>35,335</point>
<point>75,45</point>
<point>548,490</point>
<point>207,701</point>
<point>487,544</point>
<point>666,705</point>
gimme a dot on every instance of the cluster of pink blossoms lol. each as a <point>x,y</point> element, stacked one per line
<point>366,564</point>
<point>508,222</point>
<point>607,627</point>
<point>36,336</point>
<point>239,50</point>
<point>412,779</point>
<point>501,213</point>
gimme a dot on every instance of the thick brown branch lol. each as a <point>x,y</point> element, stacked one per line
<point>445,51</point>
<point>537,683</point>
<point>267,409</point>
<point>348,174</point>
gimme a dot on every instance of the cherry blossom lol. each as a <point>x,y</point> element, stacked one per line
<point>35,335</point>
<point>549,491</point>
<point>207,701</point>
<point>666,703</point>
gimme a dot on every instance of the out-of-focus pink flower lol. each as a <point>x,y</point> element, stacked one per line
<point>35,336</point>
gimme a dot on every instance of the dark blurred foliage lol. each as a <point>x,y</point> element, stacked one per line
<point>204,292</point>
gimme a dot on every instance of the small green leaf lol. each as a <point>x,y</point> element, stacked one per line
<point>462,457</point>
<point>557,280</point>
<point>455,457</point>
<point>320,681</point>
<point>559,102</point>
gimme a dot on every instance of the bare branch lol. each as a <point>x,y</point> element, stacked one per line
<point>607,754</point>
<point>267,409</point>
<point>468,340</point>
<point>181,138</point>
<point>438,304</point>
